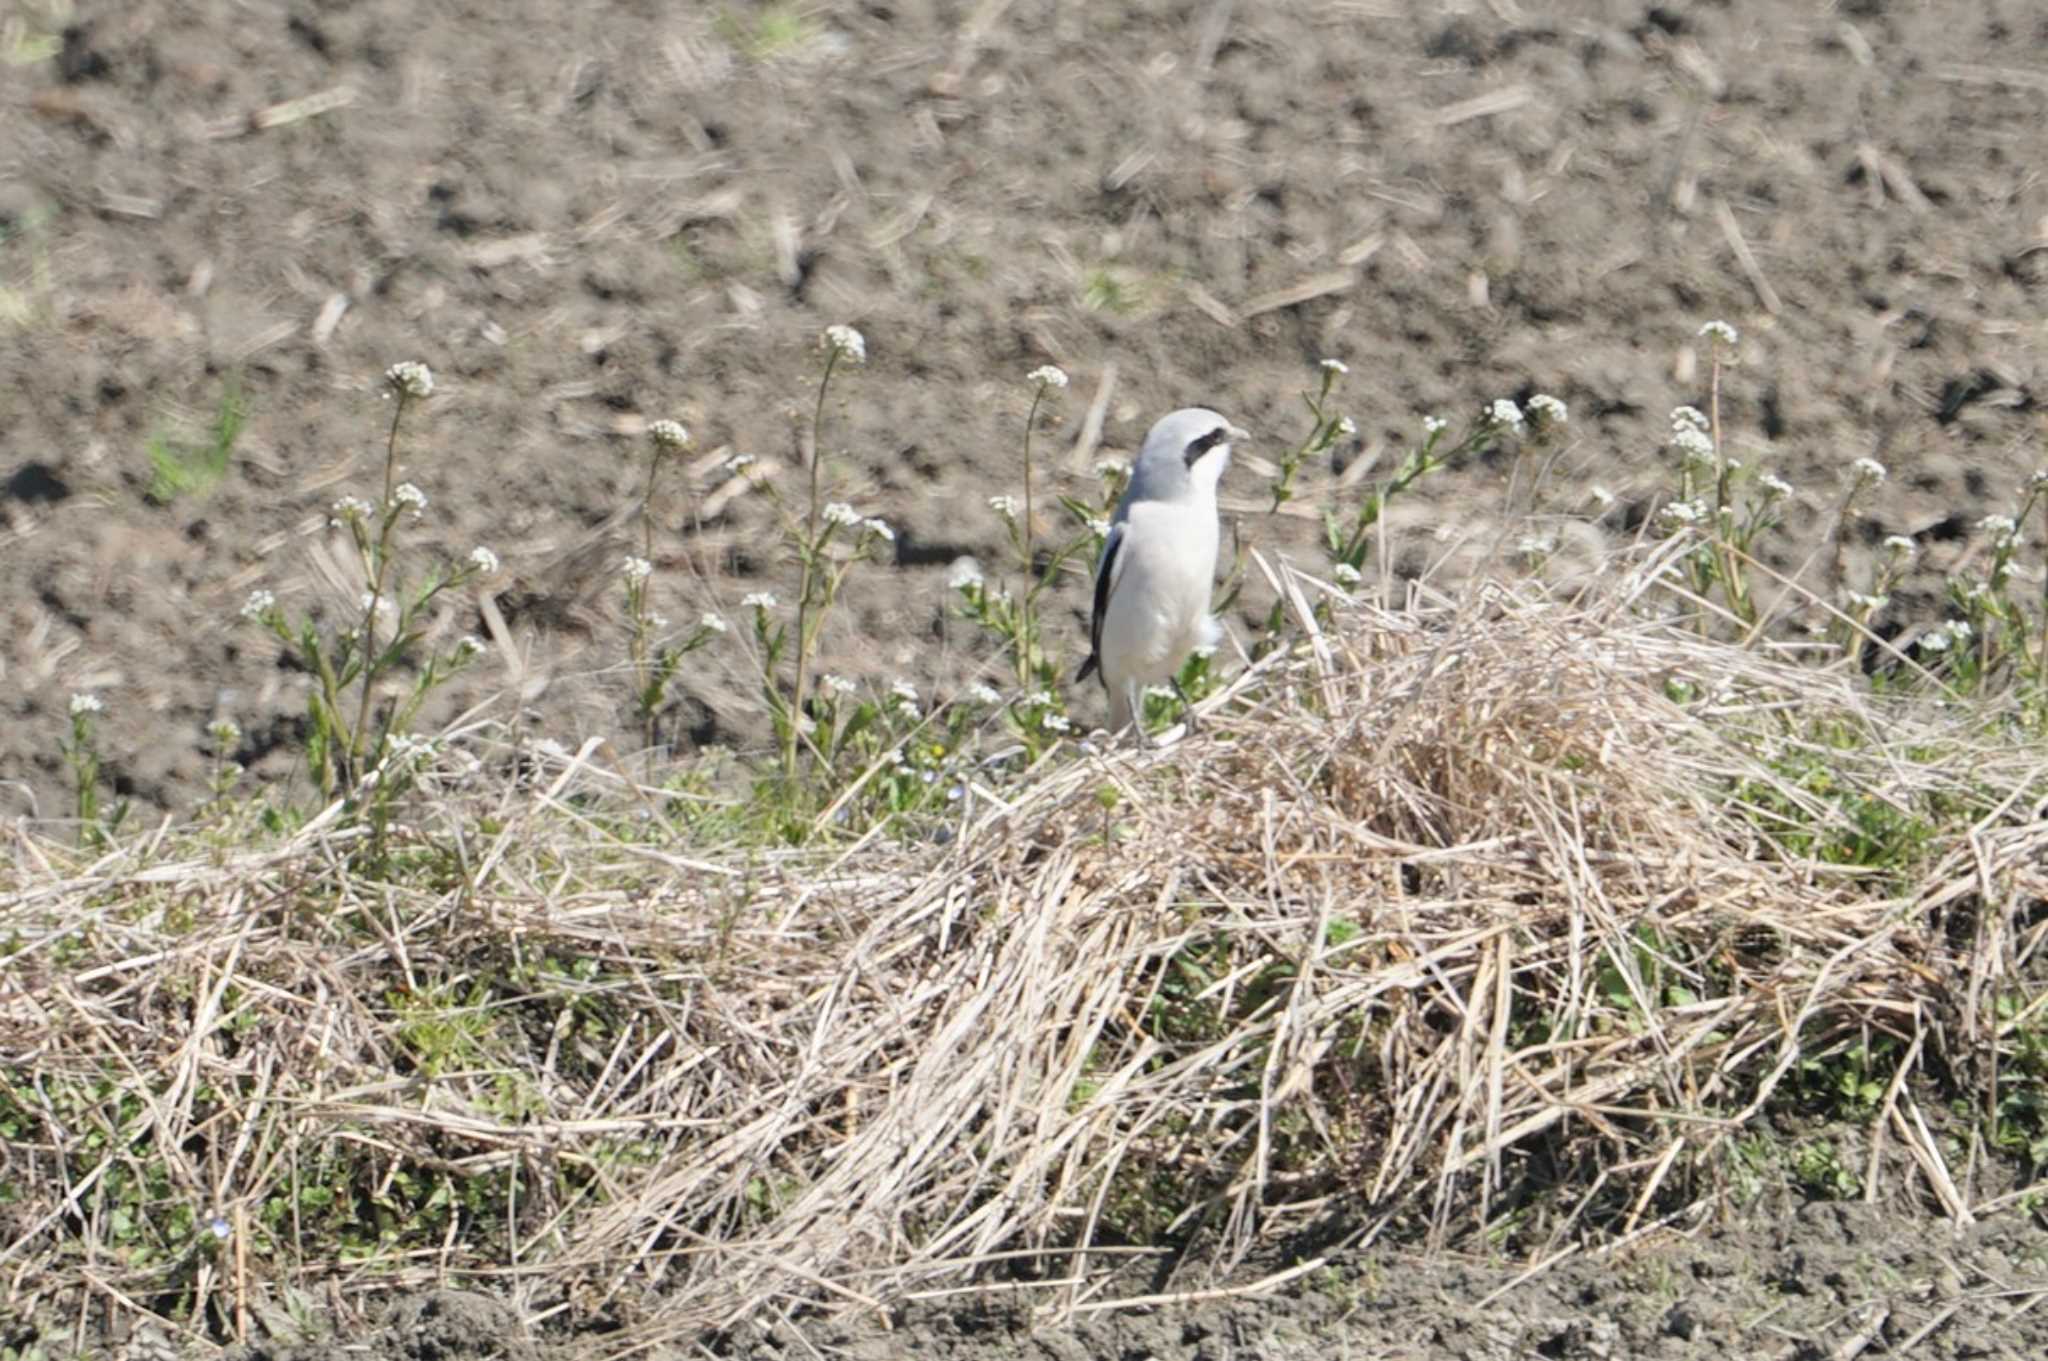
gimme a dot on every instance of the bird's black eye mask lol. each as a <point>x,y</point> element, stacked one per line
<point>1202,444</point>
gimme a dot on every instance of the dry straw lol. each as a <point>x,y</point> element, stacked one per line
<point>1462,908</point>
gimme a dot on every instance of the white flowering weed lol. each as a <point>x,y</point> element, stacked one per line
<point>845,342</point>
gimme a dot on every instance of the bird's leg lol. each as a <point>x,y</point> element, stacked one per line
<point>1187,706</point>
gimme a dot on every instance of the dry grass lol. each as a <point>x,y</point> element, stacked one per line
<point>1454,921</point>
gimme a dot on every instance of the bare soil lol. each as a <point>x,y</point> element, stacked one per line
<point>585,218</point>
<point>588,217</point>
<point>1829,1279</point>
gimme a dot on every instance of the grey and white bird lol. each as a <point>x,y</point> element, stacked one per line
<point>1159,563</point>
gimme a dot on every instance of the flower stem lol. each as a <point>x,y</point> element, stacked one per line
<point>379,572</point>
<point>808,555</point>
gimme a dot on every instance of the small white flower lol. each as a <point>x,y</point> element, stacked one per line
<point>1898,545</point>
<point>1055,723</point>
<point>370,600</point>
<point>1774,486</point>
<point>1038,699</point>
<point>1046,376</point>
<point>1098,526</point>
<point>407,495</point>
<point>635,570</point>
<point>1503,412</point>
<point>1337,366</point>
<point>982,693</point>
<point>658,622</point>
<point>351,508</point>
<point>404,749</point>
<point>484,560</point>
<point>1602,497</point>
<point>1536,545</point>
<point>848,343</point>
<point>259,605</point>
<point>966,573</point>
<point>1999,527</point>
<point>1678,514</point>
<point>1682,416</point>
<point>1720,332</point>
<point>1434,425</point>
<point>711,623</point>
<point>839,685</point>
<point>758,600</point>
<point>1960,630</point>
<point>225,733</point>
<point>1970,588</point>
<point>1868,470</point>
<point>1346,574</point>
<point>469,646</point>
<point>904,693</point>
<point>739,463</point>
<point>1005,506</point>
<point>880,529</point>
<point>1549,410</point>
<point>1858,600</point>
<point>410,377</point>
<point>1346,426</point>
<point>1936,641</point>
<point>668,434</point>
<point>1693,443</point>
<point>839,513</point>
<point>82,704</point>
<point>1160,692</point>
<point>2039,479</point>
<point>1110,467</point>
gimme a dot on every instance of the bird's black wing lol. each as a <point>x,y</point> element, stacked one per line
<point>1105,580</point>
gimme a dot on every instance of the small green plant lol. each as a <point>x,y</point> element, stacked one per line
<point>1992,632</point>
<point>25,250</point>
<point>1812,808</point>
<point>1648,976</point>
<point>348,740</point>
<point>178,467</point>
<point>1845,1085</point>
<point>2019,1121</point>
<point>1106,288</point>
<point>82,754</point>
<point>654,662</point>
<point>1012,618</point>
<point>774,30</point>
<point>1348,534</point>
<point>1999,634</point>
<point>1327,425</point>
<point>1820,1171</point>
<point>828,541</point>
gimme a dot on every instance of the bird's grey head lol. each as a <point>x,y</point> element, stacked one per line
<point>1185,454</point>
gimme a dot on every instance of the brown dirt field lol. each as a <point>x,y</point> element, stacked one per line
<point>585,218</point>
<point>1827,1280</point>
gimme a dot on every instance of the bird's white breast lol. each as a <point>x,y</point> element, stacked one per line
<point>1159,610</point>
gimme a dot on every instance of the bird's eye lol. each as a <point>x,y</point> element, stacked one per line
<point>1202,444</point>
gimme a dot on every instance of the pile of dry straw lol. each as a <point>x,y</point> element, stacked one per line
<point>1504,902</point>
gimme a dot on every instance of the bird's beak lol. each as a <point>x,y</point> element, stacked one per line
<point>1238,432</point>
